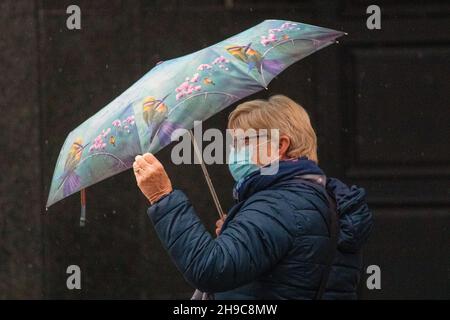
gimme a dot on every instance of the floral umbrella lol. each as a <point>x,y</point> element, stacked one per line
<point>174,94</point>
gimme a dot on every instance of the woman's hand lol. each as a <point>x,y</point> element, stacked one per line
<point>151,177</point>
<point>219,224</point>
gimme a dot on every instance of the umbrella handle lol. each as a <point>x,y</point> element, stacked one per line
<point>83,208</point>
<point>212,190</point>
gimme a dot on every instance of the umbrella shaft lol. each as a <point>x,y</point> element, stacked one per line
<point>212,190</point>
<point>83,208</point>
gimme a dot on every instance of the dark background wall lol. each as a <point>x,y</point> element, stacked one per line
<point>379,101</point>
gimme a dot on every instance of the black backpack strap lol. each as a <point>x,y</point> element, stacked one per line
<point>318,182</point>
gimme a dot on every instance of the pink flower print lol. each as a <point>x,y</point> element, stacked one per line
<point>271,31</point>
<point>183,87</point>
<point>117,123</point>
<point>220,60</point>
<point>98,143</point>
<point>179,95</point>
<point>265,40</point>
<point>195,77</point>
<point>204,66</point>
<point>129,120</point>
<point>105,132</point>
<point>271,37</point>
<point>186,88</point>
<point>288,25</point>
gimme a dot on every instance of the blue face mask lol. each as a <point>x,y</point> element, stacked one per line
<point>239,163</point>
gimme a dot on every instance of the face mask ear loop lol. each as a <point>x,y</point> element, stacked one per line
<point>272,161</point>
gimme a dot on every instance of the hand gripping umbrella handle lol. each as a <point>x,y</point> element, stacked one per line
<point>206,175</point>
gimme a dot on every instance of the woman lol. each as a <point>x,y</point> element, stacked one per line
<point>275,242</point>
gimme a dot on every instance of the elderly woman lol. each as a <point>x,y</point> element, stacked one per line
<point>277,241</point>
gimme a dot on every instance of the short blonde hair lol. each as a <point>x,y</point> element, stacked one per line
<point>282,113</point>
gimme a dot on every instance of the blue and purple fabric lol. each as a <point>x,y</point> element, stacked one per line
<point>174,94</point>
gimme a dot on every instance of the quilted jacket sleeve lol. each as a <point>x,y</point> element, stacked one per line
<point>252,242</point>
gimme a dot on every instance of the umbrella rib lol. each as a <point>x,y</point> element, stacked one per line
<point>62,183</point>
<point>103,154</point>
<point>90,156</point>
<point>278,44</point>
<point>199,94</point>
<point>283,42</point>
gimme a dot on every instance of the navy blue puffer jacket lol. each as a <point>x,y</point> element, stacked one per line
<point>274,243</point>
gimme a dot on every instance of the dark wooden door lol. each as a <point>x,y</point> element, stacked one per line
<point>378,100</point>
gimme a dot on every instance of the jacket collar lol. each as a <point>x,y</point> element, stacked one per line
<point>288,169</point>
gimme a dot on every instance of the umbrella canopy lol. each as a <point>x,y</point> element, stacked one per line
<point>174,94</point>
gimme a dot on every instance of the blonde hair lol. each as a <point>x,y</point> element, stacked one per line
<point>282,113</point>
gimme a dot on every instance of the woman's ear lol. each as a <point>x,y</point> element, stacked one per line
<point>283,146</point>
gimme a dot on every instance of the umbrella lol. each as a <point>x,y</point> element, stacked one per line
<point>173,95</point>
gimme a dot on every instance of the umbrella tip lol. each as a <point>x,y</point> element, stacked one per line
<point>83,216</point>
<point>345,33</point>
